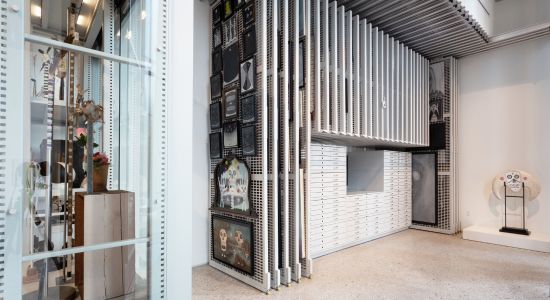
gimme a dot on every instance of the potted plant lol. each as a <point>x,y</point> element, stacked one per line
<point>100,171</point>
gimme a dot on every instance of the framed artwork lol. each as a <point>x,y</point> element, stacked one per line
<point>217,62</point>
<point>233,185</point>
<point>238,4</point>
<point>217,13</point>
<point>215,116</point>
<point>248,109</point>
<point>217,36</point>
<point>248,136</point>
<point>216,86</point>
<point>216,145</point>
<point>231,135</point>
<point>227,8</point>
<point>437,91</point>
<point>301,66</point>
<point>230,105</point>
<point>248,76</point>
<point>248,15</point>
<point>231,64</point>
<point>230,30</point>
<point>424,188</point>
<point>233,243</point>
<point>249,42</point>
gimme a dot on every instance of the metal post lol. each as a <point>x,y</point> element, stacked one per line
<point>505,198</point>
<point>89,157</point>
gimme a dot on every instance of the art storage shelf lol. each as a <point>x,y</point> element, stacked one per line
<point>253,215</point>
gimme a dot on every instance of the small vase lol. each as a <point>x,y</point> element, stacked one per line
<point>100,176</point>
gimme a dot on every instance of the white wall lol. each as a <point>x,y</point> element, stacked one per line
<point>201,130</point>
<point>511,15</point>
<point>180,185</point>
<point>504,123</point>
<point>483,13</point>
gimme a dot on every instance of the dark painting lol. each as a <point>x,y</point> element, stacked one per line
<point>424,188</point>
<point>233,243</point>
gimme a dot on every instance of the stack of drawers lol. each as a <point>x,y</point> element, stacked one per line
<point>338,219</point>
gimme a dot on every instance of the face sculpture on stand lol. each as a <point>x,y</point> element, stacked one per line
<point>514,180</point>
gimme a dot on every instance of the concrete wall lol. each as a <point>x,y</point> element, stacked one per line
<point>504,123</point>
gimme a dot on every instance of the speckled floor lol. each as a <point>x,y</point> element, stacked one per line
<point>408,265</point>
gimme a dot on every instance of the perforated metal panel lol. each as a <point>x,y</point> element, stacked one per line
<point>447,219</point>
<point>260,191</point>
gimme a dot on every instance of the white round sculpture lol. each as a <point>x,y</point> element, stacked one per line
<point>514,180</point>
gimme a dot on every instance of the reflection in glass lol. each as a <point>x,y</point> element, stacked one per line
<point>68,152</point>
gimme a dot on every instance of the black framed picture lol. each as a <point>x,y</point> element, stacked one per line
<point>230,30</point>
<point>248,15</point>
<point>238,4</point>
<point>228,8</point>
<point>248,140</point>
<point>231,64</point>
<point>248,109</point>
<point>424,188</point>
<point>231,135</point>
<point>217,61</point>
<point>248,75</point>
<point>301,66</point>
<point>217,36</point>
<point>249,42</point>
<point>216,86</point>
<point>216,145</point>
<point>217,13</point>
<point>215,115</point>
<point>233,243</point>
<point>230,105</point>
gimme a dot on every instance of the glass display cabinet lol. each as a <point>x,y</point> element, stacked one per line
<point>85,157</point>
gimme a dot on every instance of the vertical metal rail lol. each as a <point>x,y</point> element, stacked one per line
<point>286,273</point>
<point>276,275</point>
<point>265,145</point>
<point>357,60</point>
<point>295,265</point>
<point>369,80</point>
<point>307,267</point>
<point>108,93</point>
<point>363,81</point>
<point>316,61</point>
<point>334,68</point>
<point>348,74</point>
<point>326,65</point>
<point>341,58</point>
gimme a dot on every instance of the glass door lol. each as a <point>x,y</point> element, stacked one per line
<point>89,183</point>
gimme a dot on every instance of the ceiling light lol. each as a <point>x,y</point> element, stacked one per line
<point>87,1</point>
<point>36,10</point>
<point>118,33</point>
<point>128,34</point>
<point>81,20</point>
<point>143,15</point>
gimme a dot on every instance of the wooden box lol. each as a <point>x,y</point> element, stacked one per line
<point>100,218</point>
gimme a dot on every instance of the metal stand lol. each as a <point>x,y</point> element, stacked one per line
<point>515,230</point>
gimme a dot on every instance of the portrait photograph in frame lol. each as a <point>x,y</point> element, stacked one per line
<point>233,243</point>
<point>215,115</point>
<point>216,145</point>
<point>217,36</point>
<point>248,76</point>
<point>248,109</point>
<point>230,104</point>
<point>231,135</point>
<point>217,12</point>
<point>216,86</point>
<point>248,140</point>
<point>248,15</point>
<point>424,188</point>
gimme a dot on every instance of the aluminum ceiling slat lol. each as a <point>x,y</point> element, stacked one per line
<point>433,28</point>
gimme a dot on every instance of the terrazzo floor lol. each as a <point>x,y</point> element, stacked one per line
<point>411,264</point>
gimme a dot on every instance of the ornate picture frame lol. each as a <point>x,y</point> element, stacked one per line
<point>232,176</point>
